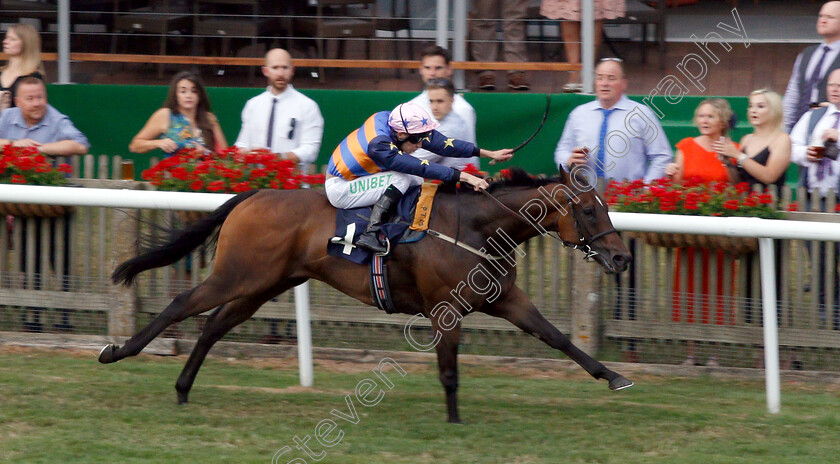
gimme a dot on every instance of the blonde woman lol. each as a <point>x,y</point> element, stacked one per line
<point>765,154</point>
<point>23,45</point>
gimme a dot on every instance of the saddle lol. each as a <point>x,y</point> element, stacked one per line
<point>407,225</point>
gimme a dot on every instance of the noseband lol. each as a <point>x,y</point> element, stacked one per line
<point>586,239</point>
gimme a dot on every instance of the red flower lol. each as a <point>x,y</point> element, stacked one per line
<point>65,168</point>
<point>240,187</point>
<point>18,179</point>
<point>216,186</point>
<point>793,206</point>
<point>196,185</point>
<point>730,204</point>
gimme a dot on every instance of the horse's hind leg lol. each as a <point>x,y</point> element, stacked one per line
<point>518,309</point>
<point>209,294</point>
<point>220,323</point>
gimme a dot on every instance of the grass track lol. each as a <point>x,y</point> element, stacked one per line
<point>60,406</point>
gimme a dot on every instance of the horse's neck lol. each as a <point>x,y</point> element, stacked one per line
<point>488,216</point>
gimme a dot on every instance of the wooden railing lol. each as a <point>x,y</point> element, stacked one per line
<point>305,62</point>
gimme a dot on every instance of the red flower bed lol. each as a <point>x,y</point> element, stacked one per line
<point>26,165</point>
<point>692,197</point>
<point>193,170</point>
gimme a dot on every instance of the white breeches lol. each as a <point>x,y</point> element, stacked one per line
<point>364,191</point>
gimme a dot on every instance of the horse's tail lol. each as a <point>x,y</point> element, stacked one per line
<point>181,244</point>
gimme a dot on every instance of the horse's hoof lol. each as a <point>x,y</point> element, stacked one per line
<point>183,399</point>
<point>106,356</point>
<point>456,421</point>
<point>620,383</point>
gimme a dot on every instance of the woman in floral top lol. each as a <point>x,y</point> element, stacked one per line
<point>184,121</point>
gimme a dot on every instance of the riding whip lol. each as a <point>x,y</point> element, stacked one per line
<point>545,116</point>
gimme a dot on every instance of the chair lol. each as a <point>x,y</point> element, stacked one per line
<point>11,11</point>
<point>638,13</point>
<point>156,18</point>
<point>334,19</point>
<point>229,19</point>
<point>394,24</point>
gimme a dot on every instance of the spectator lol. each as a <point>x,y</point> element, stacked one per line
<point>819,128</point>
<point>763,160</point>
<point>184,121</point>
<point>23,45</point>
<point>812,66</point>
<point>568,11</point>
<point>765,154</point>
<point>643,158</point>
<point>434,63</point>
<point>441,97</point>
<point>281,118</point>
<point>697,160</point>
<point>642,152</point>
<point>35,123</point>
<point>483,35</point>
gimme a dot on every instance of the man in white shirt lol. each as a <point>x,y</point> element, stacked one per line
<point>624,139</point>
<point>807,81</point>
<point>434,63</point>
<point>441,94</point>
<point>281,118</point>
<point>821,175</point>
<point>814,129</point>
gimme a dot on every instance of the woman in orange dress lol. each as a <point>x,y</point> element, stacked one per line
<point>696,160</point>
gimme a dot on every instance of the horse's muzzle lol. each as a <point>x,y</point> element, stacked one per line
<point>620,261</point>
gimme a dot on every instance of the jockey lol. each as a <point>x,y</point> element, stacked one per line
<point>372,165</point>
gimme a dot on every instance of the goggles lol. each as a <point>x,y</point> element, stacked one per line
<point>416,138</point>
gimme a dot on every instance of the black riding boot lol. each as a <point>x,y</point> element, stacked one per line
<point>370,237</point>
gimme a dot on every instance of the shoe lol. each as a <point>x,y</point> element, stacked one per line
<point>516,81</point>
<point>574,87</point>
<point>370,237</point>
<point>712,362</point>
<point>487,82</point>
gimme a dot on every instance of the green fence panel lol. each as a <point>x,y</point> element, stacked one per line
<point>110,115</point>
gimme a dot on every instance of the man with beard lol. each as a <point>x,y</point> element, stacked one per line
<point>281,118</point>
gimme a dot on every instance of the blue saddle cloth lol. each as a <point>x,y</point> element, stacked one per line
<point>350,223</point>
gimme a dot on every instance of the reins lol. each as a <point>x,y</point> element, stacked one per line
<point>587,250</point>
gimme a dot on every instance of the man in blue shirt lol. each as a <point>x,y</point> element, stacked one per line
<point>631,140</point>
<point>34,123</point>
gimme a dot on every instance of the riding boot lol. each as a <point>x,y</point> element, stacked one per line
<point>370,237</point>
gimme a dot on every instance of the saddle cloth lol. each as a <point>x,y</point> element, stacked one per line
<point>350,223</point>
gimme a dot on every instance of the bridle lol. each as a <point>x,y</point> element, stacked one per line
<point>586,239</point>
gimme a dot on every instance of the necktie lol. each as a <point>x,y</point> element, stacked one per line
<point>825,163</point>
<point>816,75</point>
<point>271,125</point>
<point>602,142</point>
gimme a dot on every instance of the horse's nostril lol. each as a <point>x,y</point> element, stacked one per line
<point>621,260</point>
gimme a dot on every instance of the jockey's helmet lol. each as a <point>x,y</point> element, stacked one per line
<point>411,118</point>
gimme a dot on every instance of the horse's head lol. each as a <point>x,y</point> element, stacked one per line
<point>584,223</point>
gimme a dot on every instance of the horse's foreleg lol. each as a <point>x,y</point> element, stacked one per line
<point>205,296</point>
<point>220,323</point>
<point>518,309</point>
<point>447,351</point>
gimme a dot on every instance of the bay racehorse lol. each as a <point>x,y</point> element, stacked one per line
<point>271,241</point>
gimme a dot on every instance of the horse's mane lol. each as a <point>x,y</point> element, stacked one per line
<point>514,178</point>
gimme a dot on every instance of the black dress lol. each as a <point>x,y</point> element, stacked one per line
<point>12,88</point>
<point>761,158</point>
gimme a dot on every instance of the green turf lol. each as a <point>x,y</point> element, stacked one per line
<point>64,407</point>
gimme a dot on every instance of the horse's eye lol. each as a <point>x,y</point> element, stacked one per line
<point>589,210</point>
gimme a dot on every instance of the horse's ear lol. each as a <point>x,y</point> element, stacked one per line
<point>583,176</point>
